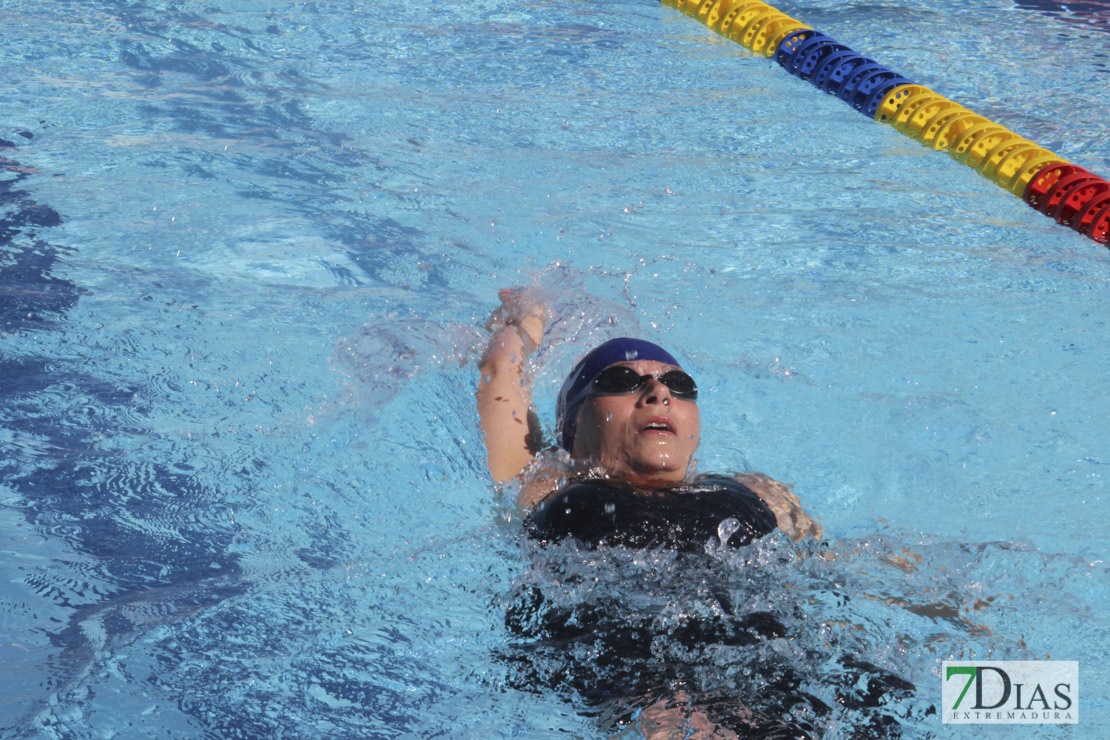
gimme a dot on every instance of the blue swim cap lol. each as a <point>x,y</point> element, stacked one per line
<point>576,388</point>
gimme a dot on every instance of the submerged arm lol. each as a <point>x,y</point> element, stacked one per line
<point>511,428</point>
<point>784,504</point>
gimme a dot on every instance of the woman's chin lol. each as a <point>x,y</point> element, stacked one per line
<point>658,472</point>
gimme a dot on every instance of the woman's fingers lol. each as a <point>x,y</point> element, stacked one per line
<point>516,307</point>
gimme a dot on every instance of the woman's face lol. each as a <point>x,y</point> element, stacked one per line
<point>647,437</point>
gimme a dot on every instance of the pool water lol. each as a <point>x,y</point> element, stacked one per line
<point>247,250</point>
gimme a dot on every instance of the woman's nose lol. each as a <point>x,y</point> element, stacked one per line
<point>656,392</point>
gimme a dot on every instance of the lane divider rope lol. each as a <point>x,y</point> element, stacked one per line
<point>1066,192</point>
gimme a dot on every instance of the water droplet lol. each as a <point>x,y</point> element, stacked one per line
<point>608,417</point>
<point>726,529</point>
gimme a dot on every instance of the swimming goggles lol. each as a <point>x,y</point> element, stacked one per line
<point>620,379</point>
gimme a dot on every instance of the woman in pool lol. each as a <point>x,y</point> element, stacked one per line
<point>629,419</point>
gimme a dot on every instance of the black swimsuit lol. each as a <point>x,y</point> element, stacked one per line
<point>611,652</point>
<point>602,512</point>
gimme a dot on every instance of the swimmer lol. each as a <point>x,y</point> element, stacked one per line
<point>628,415</point>
<point>629,420</point>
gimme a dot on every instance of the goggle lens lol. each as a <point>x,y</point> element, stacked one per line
<point>620,379</point>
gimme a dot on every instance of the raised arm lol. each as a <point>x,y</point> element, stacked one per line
<point>512,431</point>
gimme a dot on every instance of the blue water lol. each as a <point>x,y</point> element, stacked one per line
<point>246,253</point>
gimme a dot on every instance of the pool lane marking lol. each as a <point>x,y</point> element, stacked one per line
<point>1068,193</point>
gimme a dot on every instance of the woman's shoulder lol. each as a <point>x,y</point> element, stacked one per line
<point>783,503</point>
<point>551,473</point>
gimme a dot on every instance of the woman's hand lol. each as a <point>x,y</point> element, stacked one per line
<point>520,309</point>
<point>512,430</point>
<point>784,504</point>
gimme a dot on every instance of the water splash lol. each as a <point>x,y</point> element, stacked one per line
<point>810,632</point>
<point>726,529</point>
<point>379,359</point>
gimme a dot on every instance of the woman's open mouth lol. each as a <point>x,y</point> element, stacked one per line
<point>659,425</point>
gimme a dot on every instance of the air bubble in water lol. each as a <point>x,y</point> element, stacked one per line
<point>610,507</point>
<point>631,354</point>
<point>608,417</point>
<point>726,529</point>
